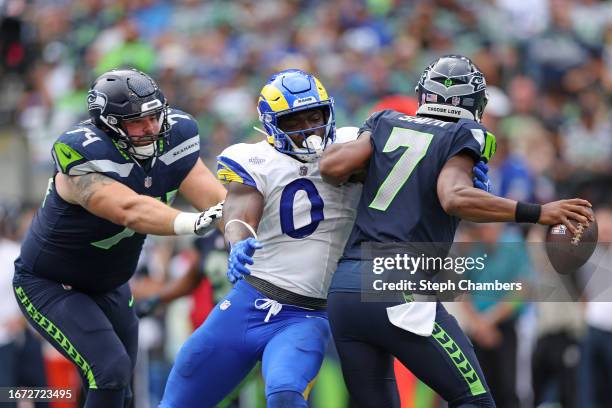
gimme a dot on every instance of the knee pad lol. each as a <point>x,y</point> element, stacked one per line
<point>286,399</point>
<point>116,373</point>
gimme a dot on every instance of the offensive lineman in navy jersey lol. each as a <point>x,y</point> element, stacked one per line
<point>418,184</point>
<point>116,175</point>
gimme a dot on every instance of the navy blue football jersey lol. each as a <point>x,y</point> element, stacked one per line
<point>68,244</point>
<point>399,202</point>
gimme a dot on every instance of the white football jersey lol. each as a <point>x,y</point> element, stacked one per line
<point>305,221</point>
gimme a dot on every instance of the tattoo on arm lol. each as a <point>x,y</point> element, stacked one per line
<point>84,186</point>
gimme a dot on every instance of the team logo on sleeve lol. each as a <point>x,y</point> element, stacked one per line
<point>225,304</point>
<point>256,160</point>
<point>96,100</point>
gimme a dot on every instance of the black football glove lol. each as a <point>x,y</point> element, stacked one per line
<point>145,307</point>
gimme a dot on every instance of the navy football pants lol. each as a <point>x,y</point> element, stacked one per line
<point>98,333</point>
<point>366,342</point>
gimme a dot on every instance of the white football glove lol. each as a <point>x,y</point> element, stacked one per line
<point>208,219</point>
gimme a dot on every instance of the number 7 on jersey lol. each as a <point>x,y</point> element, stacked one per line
<point>416,144</point>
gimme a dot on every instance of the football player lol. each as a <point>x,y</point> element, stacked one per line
<point>116,175</point>
<point>290,226</point>
<point>417,187</point>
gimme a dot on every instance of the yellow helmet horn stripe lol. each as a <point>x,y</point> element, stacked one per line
<point>275,98</point>
<point>321,89</point>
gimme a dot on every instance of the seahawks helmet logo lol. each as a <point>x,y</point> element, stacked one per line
<point>478,82</point>
<point>96,100</point>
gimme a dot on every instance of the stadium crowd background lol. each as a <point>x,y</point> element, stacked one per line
<point>548,65</point>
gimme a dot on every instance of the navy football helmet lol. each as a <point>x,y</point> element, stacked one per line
<point>293,91</point>
<point>121,95</point>
<point>452,87</point>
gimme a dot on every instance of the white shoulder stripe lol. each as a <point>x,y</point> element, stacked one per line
<point>102,166</point>
<point>480,137</point>
<point>187,147</point>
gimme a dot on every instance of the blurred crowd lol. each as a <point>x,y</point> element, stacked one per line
<point>548,65</point>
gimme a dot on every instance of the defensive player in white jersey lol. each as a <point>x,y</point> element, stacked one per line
<point>277,313</point>
<point>290,227</point>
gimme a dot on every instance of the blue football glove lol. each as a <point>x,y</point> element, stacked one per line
<point>481,179</point>
<point>241,255</point>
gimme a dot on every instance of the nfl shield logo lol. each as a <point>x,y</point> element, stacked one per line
<point>303,170</point>
<point>558,229</point>
<point>148,181</point>
<point>455,100</point>
<point>226,303</point>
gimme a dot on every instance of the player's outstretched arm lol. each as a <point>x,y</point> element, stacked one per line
<point>459,198</point>
<point>343,160</point>
<point>201,188</point>
<point>114,201</point>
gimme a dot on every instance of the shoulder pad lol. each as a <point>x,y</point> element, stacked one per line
<point>184,139</point>
<point>486,139</point>
<point>184,126</point>
<point>80,144</point>
<point>243,163</point>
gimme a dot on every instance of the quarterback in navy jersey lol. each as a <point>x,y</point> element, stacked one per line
<point>418,185</point>
<point>116,175</point>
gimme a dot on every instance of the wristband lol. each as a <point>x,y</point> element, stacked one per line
<point>527,212</point>
<point>247,225</point>
<point>184,223</point>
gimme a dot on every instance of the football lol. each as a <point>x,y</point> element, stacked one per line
<point>568,252</point>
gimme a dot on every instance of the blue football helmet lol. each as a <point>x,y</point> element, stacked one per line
<point>121,95</point>
<point>293,91</point>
